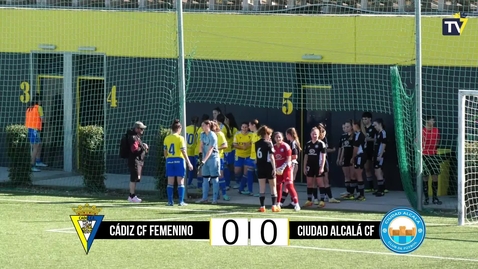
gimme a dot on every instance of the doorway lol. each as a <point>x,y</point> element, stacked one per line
<point>311,117</point>
<point>90,92</point>
<point>50,91</point>
<point>55,76</point>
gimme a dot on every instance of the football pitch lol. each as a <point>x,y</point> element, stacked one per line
<point>36,232</point>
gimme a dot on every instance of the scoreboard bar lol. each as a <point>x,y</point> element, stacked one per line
<point>240,231</point>
<point>334,230</point>
<point>153,230</point>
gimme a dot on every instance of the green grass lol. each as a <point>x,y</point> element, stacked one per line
<point>27,243</point>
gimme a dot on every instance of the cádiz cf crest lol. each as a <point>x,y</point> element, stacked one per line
<point>86,223</point>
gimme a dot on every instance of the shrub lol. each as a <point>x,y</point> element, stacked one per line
<point>161,180</point>
<point>92,157</point>
<point>19,155</point>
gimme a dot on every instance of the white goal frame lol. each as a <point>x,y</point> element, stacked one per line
<point>462,94</point>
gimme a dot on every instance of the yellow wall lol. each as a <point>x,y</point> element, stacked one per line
<point>280,38</point>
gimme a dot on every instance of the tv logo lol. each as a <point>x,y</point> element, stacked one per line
<point>454,26</point>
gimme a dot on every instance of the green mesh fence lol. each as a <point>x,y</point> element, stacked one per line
<point>244,59</point>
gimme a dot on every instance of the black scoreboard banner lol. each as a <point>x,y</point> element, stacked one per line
<point>239,231</point>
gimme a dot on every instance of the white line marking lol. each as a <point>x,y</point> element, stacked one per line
<point>291,216</point>
<point>206,210</point>
<point>71,229</point>
<point>386,253</point>
<point>23,201</point>
<point>178,209</point>
<point>60,230</point>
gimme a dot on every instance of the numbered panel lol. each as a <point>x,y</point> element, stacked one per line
<point>287,104</point>
<point>229,232</point>
<point>269,232</point>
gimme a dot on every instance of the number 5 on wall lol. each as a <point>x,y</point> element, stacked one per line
<point>112,97</point>
<point>287,106</point>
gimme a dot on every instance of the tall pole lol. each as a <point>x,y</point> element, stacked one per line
<point>181,73</point>
<point>418,93</point>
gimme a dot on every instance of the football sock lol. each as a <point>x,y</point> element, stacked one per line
<point>353,186</point>
<point>310,192</point>
<point>262,197</point>
<point>425,189</point>
<point>205,188</point>
<point>322,194</point>
<point>181,193</point>
<point>215,188</point>
<point>243,183</point>
<point>250,180</point>
<point>227,176</point>
<point>328,191</point>
<point>199,182</point>
<point>361,187</point>
<point>222,186</point>
<point>170,190</point>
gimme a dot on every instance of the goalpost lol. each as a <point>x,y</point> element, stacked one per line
<point>467,157</point>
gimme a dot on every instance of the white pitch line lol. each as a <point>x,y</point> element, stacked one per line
<point>177,209</point>
<point>291,216</point>
<point>385,253</point>
<point>206,210</point>
<point>60,230</point>
<point>275,215</point>
<point>68,230</point>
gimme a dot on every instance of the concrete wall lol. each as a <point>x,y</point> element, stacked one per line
<point>146,91</point>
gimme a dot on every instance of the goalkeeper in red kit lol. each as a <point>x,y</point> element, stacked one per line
<point>283,160</point>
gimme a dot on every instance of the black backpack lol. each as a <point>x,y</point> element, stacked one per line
<point>124,147</point>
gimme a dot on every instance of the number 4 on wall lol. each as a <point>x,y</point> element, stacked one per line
<point>112,97</point>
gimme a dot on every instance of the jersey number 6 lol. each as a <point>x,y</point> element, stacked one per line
<point>287,106</point>
<point>259,153</point>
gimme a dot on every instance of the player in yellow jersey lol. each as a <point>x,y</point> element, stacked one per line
<point>176,156</point>
<point>199,178</point>
<point>229,129</point>
<point>221,146</point>
<point>251,161</point>
<point>191,141</point>
<point>242,144</point>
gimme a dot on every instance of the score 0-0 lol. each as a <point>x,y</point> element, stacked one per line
<point>237,232</point>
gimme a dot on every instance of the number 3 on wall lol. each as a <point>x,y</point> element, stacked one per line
<point>25,96</point>
<point>287,106</point>
<point>112,97</point>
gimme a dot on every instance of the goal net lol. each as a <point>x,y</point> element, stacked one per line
<point>468,157</point>
<point>334,67</point>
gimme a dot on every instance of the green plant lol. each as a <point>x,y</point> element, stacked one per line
<point>19,155</point>
<point>161,180</point>
<point>92,157</point>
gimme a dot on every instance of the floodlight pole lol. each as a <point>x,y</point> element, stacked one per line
<point>418,104</point>
<point>181,72</point>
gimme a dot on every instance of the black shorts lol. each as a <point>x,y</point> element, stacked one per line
<point>378,164</point>
<point>369,154</point>
<point>347,161</point>
<point>431,165</point>
<point>313,171</point>
<point>135,171</point>
<point>359,161</point>
<point>265,171</point>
